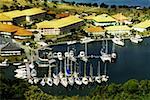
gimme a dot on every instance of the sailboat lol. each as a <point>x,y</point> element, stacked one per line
<point>64,80</point>
<point>71,78</point>
<point>104,54</point>
<point>49,80</point>
<point>113,54</point>
<point>33,73</point>
<point>91,78</point>
<point>35,80</point>
<point>30,81</point>
<point>56,78</point>
<point>77,80</point>
<point>43,81</point>
<point>85,79</point>
<point>98,77</point>
<point>104,77</point>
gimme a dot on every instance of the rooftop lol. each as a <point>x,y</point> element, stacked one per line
<point>8,28</point>
<point>13,14</point>
<point>94,29</point>
<point>101,18</point>
<point>23,32</point>
<point>118,28</point>
<point>144,24</point>
<point>32,11</point>
<point>4,17</point>
<point>120,17</point>
<point>59,23</point>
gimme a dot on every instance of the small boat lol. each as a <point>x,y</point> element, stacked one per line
<point>78,81</point>
<point>22,66</point>
<point>64,81</point>
<point>86,40</point>
<point>43,82</point>
<point>118,41</point>
<point>136,39</point>
<point>30,81</point>
<point>4,63</point>
<point>35,80</point>
<point>104,78</point>
<point>56,80</point>
<point>20,69</point>
<point>17,64</point>
<point>33,73</point>
<point>49,81</point>
<point>91,78</point>
<point>71,80</point>
<point>113,54</point>
<point>31,65</point>
<point>71,42</point>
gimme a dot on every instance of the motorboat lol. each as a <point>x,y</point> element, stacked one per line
<point>64,81</point>
<point>71,56</point>
<point>136,39</point>
<point>49,81</point>
<point>118,41</point>
<point>33,73</point>
<point>86,40</point>
<point>17,64</point>
<point>113,54</point>
<point>20,69</point>
<point>91,78</point>
<point>78,81</point>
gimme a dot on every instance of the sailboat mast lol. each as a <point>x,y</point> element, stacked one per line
<point>98,68</point>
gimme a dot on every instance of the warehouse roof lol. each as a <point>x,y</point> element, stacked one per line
<point>144,24</point>
<point>120,17</point>
<point>94,29</point>
<point>32,11</point>
<point>4,17</point>
<point>117,28</point>
<point>59,23</point>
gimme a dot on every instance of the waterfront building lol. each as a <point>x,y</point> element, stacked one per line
<point>96,31</point>
<point>121,19</point>
<point>102,20</point>
<point>28,15</point>
<point>118,30</point>
<point>63,25</point>
<point>143,26</point>
<point>22,34</point>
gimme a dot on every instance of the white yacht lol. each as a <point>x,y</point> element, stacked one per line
<point>113,54</point>
<point>64,81</point>
<point>56,79</point>
<point>118,41</point>
<point>22,66</point>
<point>86,40</point>
<point>33,73</point>
<point>104,77</point>
<point>17,64</point>
<point>77,80</point>
<point>71,80</point>
<point>98,77</point>
<point>19,70</point>
<point>49,81</point>
<point>104,53</point>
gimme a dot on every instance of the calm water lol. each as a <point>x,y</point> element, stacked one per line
<point>142,3</point>
<point>133,62</point>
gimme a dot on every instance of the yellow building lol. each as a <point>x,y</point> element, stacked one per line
<point>143,26</point>
<point>58,26</point>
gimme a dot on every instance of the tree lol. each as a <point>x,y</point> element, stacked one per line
<point>131,86</point>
